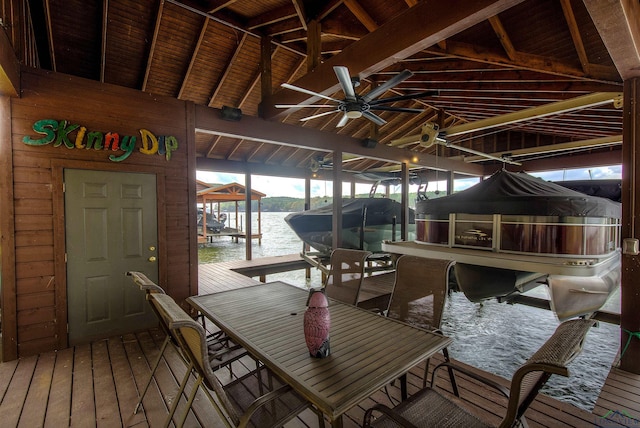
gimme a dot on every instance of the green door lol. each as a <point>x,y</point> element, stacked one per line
<point>111,228</point>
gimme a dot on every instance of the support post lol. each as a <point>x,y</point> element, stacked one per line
<point>247,214</point>
<point>336,241</point>
<point>404,202</point>
<point>629,314</point>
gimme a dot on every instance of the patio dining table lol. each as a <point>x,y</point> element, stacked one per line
<point>368,351</point>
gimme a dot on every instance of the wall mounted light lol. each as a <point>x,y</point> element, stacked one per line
<point>230,113</point>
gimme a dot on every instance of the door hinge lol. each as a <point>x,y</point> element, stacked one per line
<point>64,187</point>
<point>65,257</point>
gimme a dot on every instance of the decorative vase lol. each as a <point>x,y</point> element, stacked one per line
<point>317,322</point>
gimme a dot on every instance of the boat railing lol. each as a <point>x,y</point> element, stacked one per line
<point>540,235</point>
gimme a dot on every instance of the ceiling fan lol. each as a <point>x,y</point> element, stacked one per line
<point>354,105</point>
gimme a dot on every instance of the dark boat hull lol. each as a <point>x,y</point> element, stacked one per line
<point>366,223</point>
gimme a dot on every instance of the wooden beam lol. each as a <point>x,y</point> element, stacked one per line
<point>361,14</point>
<point>611,157</point>
<point>52,51</point>
<point>208,120</point>
<point>277,15</point>
<point>618,22</point>
<point>300,12</point>
<point>314,45</point>
<point>9,68</point>
<point>524,61</point>
<point>227,70</point>
<point>217,5</point>
<point>266,55</point>
<point>153,46</point>
<point>8,298</point>
<point>417,28</point>
<point>568,146</point>
<point>103,45</point>
<point>336,221</point>
<point>194,55</point>
<point>559,107</point>
<point>574,29</point>
<point>630,298</point>
<point>504,38</point>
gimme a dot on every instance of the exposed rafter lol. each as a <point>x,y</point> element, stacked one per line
<point>622,41</point>
<point>417,32</point>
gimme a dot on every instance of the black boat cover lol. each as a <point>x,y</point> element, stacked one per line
<point>518,193</point>
<point>610,189</point>
<point>379,211</point>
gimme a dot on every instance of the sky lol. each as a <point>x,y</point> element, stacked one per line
<point>279,186</point>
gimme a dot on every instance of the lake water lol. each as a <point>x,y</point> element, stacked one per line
<point>493,336</point>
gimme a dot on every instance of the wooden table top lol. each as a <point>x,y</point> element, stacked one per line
<point>368,351</point>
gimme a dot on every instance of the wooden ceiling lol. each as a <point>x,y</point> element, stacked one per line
<point>483,59</point>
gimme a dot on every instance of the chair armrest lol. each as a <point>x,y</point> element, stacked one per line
<point>261,401</point>
<point>455,367</point>
<point>388,412</point>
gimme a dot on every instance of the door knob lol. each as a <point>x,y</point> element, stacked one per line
<point>152,258</point>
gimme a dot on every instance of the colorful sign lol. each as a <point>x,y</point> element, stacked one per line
<point>74,136</point>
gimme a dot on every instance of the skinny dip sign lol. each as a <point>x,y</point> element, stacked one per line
<point>74,136</point>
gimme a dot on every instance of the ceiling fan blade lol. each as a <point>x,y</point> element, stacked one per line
<point>304,105</point>
<point>397,109</point>
<point>413,96</point>
<point>398,78</point>
<point>308,92</point>
<point>304,119</point>
<point>342,73</point>
<point>343,121</point>
<point>373,118</point>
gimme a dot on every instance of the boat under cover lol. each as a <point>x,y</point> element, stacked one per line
<point>366,223</point>
<point>513,231</point>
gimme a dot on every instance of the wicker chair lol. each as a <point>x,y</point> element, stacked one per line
<point>345,274</point>
<point>431,408</point>
<point>419,295</point>
<point>221,349</point>
<point>258,399</point>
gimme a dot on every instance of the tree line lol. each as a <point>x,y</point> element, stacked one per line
<point>289,204</point>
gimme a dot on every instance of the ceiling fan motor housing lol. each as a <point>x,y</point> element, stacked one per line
<point>429,133</point>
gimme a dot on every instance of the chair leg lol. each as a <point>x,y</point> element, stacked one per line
<point>403,387</point>
<point>452,376</point>
<point>426,373</point>
<point>174,405</point>
<point>153,372</point>
<point>192,395</point>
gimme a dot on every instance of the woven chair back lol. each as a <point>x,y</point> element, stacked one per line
<point>552,358</point>
<point>420,291</point>
<point>345,274</point>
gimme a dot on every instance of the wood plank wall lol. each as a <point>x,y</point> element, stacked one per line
<point>40,274</point>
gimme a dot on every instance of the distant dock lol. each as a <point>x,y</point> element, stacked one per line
<point>235,235</point>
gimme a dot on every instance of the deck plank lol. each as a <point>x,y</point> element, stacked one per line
<point>59,405</point>
<point>7,370</point>
<point>13,401</point>
<point>619,398</point>
<point>38,395</point>
<point>106,399</point>
<point>125,387</point>
<point>83,411</point>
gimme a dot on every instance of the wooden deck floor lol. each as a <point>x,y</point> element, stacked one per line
<point>97,385</point>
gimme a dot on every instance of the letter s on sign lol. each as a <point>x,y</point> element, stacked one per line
<point>47,127</point>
